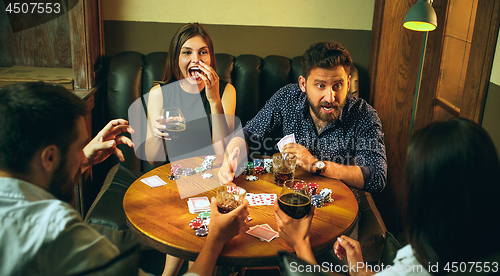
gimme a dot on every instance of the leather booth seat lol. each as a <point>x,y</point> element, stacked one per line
<point>132,74</point>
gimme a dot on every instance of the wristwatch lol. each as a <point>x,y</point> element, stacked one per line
<point>319,166</point>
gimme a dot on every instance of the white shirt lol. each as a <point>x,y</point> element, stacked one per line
<point>41,235</point>
<point>405,263</point>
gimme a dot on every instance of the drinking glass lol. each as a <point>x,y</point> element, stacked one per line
<point>294,198</point>
<point>229,197</point>
<point>283,167</point>
<point>173,120</point>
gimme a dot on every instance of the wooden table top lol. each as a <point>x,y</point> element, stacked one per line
<point>161,217</point>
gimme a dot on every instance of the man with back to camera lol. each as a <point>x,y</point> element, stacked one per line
<point>338,136</point>
<point>43,151</point>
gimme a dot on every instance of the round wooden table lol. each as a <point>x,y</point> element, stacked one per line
<point>161,217</point>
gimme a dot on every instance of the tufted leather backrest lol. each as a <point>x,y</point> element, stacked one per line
<point>256,79</point>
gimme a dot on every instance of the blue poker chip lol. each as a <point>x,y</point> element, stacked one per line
<point>317,201</point>
<point>202,232</point>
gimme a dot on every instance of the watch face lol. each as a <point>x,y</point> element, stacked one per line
<point>320,165</point>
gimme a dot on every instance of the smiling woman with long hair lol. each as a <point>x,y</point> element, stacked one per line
<point>190,83</point>
<point>208,104</point>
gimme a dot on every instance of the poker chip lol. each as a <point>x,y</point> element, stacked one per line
<point>259,170</point>
<point>188,172</point>
<point>173,177</point>
<point>206,175</point>
<point>298,186</point>
<point>175,167</point>
<point>317,201</point>
<point>313,188</point>
<point>326,193</point>
<point>268,165</point>
<point>202,232</point>
<point>206,222</point>
<point>210,158</point>
<point>204,215</point>
<point>199,169</point>
<point>177,171</point>
<point>258,163</point>
<point>249,165</point>
<point>196,223</point>
<point>247,171</point>
<point>208,162</point>
<point>252,178</point>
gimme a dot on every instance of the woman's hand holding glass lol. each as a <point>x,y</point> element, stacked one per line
<point>170,120</point>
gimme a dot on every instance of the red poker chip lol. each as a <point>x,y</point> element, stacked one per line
<point>298,185</point>
<point>313,188</point>
<point>259,170</point>
<point>196,223</point>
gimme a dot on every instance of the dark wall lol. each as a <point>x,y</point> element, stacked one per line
<point>147,37</point>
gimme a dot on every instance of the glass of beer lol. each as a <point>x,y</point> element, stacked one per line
<point>283,167</point>
<point>294,198</point>
<point>229,197</point>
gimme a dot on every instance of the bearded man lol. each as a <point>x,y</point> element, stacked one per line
<point>337,135</point>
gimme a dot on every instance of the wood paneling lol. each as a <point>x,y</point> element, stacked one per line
<point>72,40</point>
<point>432,64</point>
<point>395,54</point>
<point>44,45</point>
<point>394,61</point>
<point>481,59</point>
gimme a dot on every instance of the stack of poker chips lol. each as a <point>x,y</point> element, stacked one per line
<point>317,201</point>
<point>268,165</point>
<point>258,163</point>
<point>200,224</point>
<point>248,168</point>
<point>259,170</point>
<point>298,186</point>
<point>313,188</point>
<point>188,172</point>
<point>175,171</point>
<point>326,194</point>
<point>208,162</point>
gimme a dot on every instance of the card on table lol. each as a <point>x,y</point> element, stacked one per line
<point>261,199</point>
<point>286,140</point>
<point>198,204</point>
<point>263,232</point>
<point>153,181</point>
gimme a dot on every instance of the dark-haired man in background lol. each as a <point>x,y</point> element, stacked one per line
<point>43,150</point>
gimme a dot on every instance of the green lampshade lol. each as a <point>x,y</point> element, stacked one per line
<point>421,17</point>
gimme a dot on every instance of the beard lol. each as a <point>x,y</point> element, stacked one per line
<point>325,117</point>
<point>62,185</point>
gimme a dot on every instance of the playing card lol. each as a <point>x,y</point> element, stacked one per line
<point>262,233</point>
<point>286,140</point>
<point>261,199</point>
<point>198,204</point>
<point>153,181</point>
